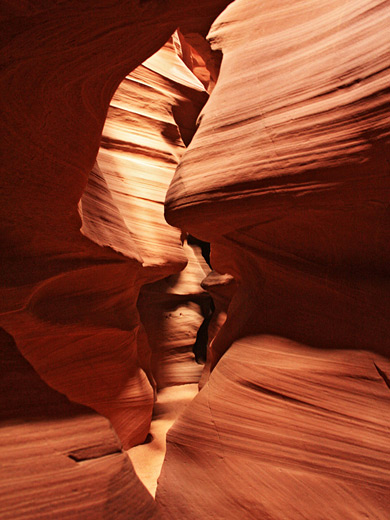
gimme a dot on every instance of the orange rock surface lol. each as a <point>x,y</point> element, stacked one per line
<point>69,303</point>
<point>288,178</point>
<point>172,311</point>
<point>122,207</point>
<point>282,431</point>
<point>58,459</point>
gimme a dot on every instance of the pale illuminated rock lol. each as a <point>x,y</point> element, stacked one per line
<point>287,177</point>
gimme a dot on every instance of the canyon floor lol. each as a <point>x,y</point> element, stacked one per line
<point>148,458</point>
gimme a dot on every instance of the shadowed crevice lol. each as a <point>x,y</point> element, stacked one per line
<point>383,376</point>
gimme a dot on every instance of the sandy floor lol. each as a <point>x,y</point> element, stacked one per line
<point>147,458</point>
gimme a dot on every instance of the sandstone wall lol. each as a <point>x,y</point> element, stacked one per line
<point>69,303</point>
<point>288,178</point>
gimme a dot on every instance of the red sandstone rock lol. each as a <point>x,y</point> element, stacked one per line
<point>288,178</point>
<point>222,289</point>
<point>70,304</point>
<point>172,312</point>
<point>140,149</point>
<point>122,207</point>
<point>58,459</point>
<point>282,430</point>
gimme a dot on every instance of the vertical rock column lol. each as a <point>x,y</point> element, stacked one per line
<point>288,178</point>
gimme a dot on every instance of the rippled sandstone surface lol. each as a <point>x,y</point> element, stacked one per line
<point>68,305</point>
<point>288,178</point>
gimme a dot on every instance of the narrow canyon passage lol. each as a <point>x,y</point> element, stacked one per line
<point>195,244</point>
<point>148,458</point>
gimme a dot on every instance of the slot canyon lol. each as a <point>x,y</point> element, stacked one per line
<point>195,260</point>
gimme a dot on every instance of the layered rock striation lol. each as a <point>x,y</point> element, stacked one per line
<point>288,178</point>
<point>122,207</point>
<point>70,304</point>
<point>59,459</point>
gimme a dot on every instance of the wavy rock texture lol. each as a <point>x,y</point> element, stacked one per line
<point>140,150</point>
<point>172,311</point>
<point>148,458</point>
<point>152,111</point>
<point>288,178</point>
<point>70,304</point>
<point>282,430</point>
<point>59,459</point>
<point>222,289</point>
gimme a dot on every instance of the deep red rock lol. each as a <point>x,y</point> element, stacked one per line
<point>69,303</point>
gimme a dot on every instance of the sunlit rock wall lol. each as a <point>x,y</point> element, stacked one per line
<point>288,178</point>
<point>172,312</point>
<point>153,111</point>
<point>68,303</point>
